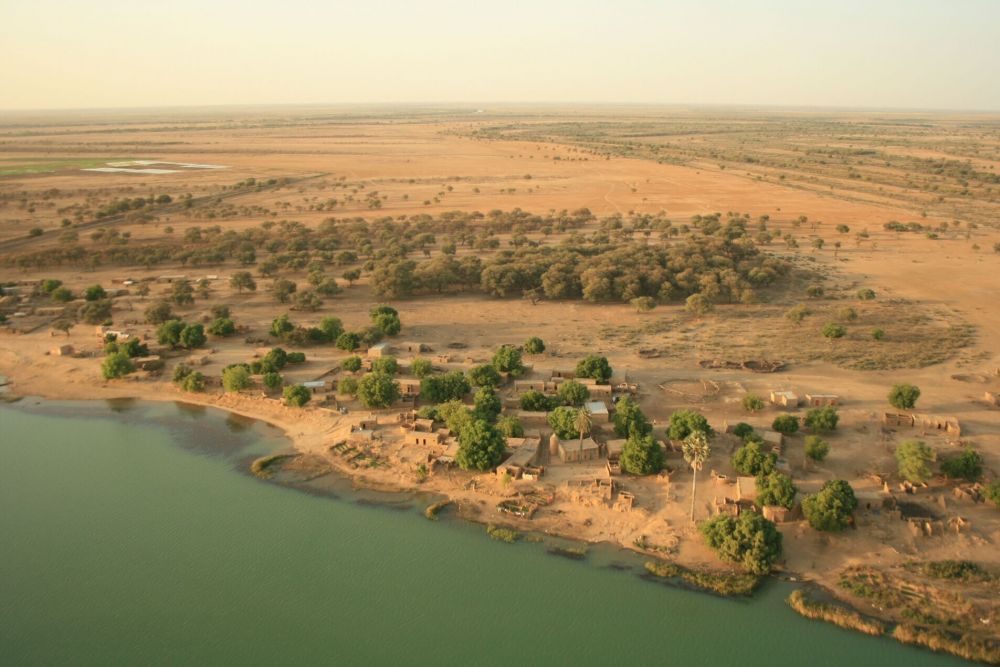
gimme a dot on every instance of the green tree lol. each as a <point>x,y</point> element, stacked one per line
<point>534,345</point>
<point>222,326</point>
<point>750,460</point>
<point>158,313</point>
<point>283,289</point>
<point>441,388</point>
<point>386,319</point>
<point>698,304</point>
<point>968,465</point>
<point>484,376</point>
<point>833,330</point>
<point>696,451</point>
<point>308,300</point>
<point>236,378</point>
<point>275,358</point>
<point>743,431</point>
<point>629,419</point>
<point>281,326</point>
<point>351,276</point>
<point>192,336</point>
<point>194,382</point>
<point>753,403</point>
<point>377,390</point>
<point>95,293</point>
<point>904,396</point>
<point>832,507</point>
<point>822,420</point>
<point>351,364</point>
<point>183,293</point>
<point>536,401</point>
<point>331,327</point>
<point>62,295</point>
<point>785,424</point>
<point>507,359</point>
<point>776,488</point>
<point>562,420</point>
<point>348,385</point>
<point>816,448</point>
<point>242,280</point>
<point>348,341</point>
<point>421,368</point>
<point>641,455</point>
<point>594,366</point>
<point>169,333</point>
<point>914,458</point>
<point>486,404</point>
<point>748,539</point>
<point>573,393</point>
<point>480,445</point>
<point>95,312</point>
<point>685,422</point>
<point>992,491</point>
<point>510,426</point>
<point>385,365</point>
<point>273,381</point>
<point>296,395</point>
<point>116,365</point>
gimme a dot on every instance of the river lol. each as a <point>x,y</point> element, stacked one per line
<point>131,533</point>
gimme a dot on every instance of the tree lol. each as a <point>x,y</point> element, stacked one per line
<point>385,365</point>
<point>95,312</point>
<point>968,465</point>
<point>58,325</point>
<point>351,364</point>
<point>562,420</point>
<point>348,385</point>
<point>486,404</point>
<point>816,448</point>
<point>116,365</point>
<point>386,320</point>
<point>95,293</point>
<point>583,421</point>
<point>776,488</point>
<point>308,300</point>
<point>641,455</point>
<point>273,381</point>
<point>377,390</point>
<point>441,388</point>
<point>833,330</point>
<point>169,333</point>
<point>183,293</point>
<point>785,424</point>
<point>275,358</point>
<point>643,304</point>
<point>878,334</point>
<point>507,359</point>
<point>629,419</point>
<point>685,422</point>
<point>222,326</point>
<point>743,431</point>
<point>904,396</point>
<point>62,295</point>
<point>328,287</point>
<point>510,426</point>
<point>158,313</point>
<point>534,345</point>
<point>331,327</point>
<point>751,460</point>
<point>296,395</point>
<point>236,377</point>
<point>753,403</point>
<point>480,445</point>
<point>193,382</point>
<point>242,280</point>
<point>351,276</point>
<point>573,393</point>
<point>831,508</point>
<point>283,289</point>
<point>797,313</point>
<point>696,451</point>
<point>421,368</point>
<point>748,539</point>
<point>594,366</point>
<point>822,420</point>
<point>192,336</point>
<point>49,285</point>
<point>536,401</point>
<point>698,304</point>
<point>484,376</point>
<point>348,341</point>
<point>866,294</point>
<point>914,458</point>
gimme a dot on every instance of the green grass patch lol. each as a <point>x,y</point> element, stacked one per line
<point>264,466</point>
<point>508,535</point>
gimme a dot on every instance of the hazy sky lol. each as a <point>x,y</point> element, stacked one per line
<point>867,53</point>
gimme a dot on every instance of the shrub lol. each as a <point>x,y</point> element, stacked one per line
<point>816,448</point>
<point>822,420</point>
<point>236,378</point>
<point>685,422</point>
<point>348,385</point>
<point>594,366</point>
<point>831,508</point>
<point>904,396</point>
<point>377,390</point>
<point>749,539</point>
<point>750,460</point>
<point>833,330</point>
<point>534,345</point>
<point>914,458</point>
<point>296,395</point>
<point>116,365</point>
<point>753,403</point>
<point>785,424</point>
<point>296,357</point>
<point>968,465</point>
<point>878,334</point>
<point>352,364</point>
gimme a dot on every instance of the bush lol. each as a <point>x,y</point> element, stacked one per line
<point>534,345</point>
<point>296,357</point>
<point>750,460</point>
<point>484,376</point>
<point>296,395</point>
<point>629,419</point>
<point>272,381</point>
<point>386,365</point>
<point>116,365</point>
<point>866,294</point>
<point>222,326</point>
<point>878,334</point>
<point>351,364</point>
<point>348,341</point>
<point>992,492</point>
<point>536,401</point>
<point>785,424</point>
<point>641,455</point>
<point>573,393</point>
<point>743,430</point>
<point>95,293</point>
<point>563,422</point>
<point>832,507</point>
<point>914,458</point>
<point>194,382</point>
<point>749,539</point>
<point>685,422</point>
<point>377,390</point>
<point>816,448</point>
<point>822,420</point>
<point>348,385</point>
<point>833,330</point>
<point>594,366</point>
<point>420,368</point>
<point>904,396</point>
<point>508,360</point>
<point>968,465</point>
<point>753,403</point>
<point>776,488</point>
<point>236,377</point>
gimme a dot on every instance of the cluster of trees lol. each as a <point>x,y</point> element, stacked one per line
<point>751,459</point>
<point>118,356</point>
<point>329,330</point>
<point>748,539</point>
<point>177,333</point>
<point>188,379</point>
<point>832,507</point>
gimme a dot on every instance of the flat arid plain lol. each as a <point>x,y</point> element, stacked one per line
<point>845,253</point>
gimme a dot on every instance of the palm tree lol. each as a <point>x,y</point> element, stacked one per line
<point>696,452</point>
<point>583,422</point>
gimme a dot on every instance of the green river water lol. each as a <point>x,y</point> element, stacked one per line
<point>131,534</point>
